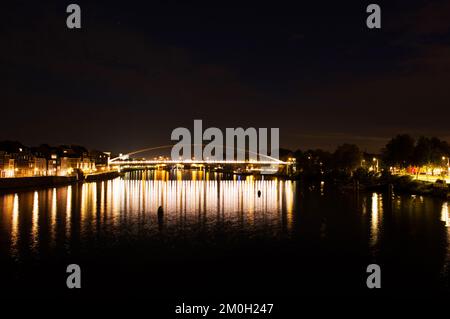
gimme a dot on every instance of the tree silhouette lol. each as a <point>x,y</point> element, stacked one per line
<point>347,157</point>
<point>399,151</point>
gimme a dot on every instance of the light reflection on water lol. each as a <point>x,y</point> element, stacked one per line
<point>445,215</point>
<point>15,225</point>
<point>418,212</point>
<point>33,223</point>
<point>375,218</point>
<point>49,218</point>
<point>445,218</point>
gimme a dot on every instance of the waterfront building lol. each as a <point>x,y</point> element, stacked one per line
<point>6,165</point>
<point>39,166</point>
<point>16,160</point>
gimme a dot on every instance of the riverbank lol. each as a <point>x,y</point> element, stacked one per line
<point>408,185</point>
<point>20,183</point>
<point>14,183</point>
<point>361,180</point>
<point>401,185</point>
<point>101,176</point>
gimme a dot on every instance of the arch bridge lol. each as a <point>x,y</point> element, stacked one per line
<point>265,163</point>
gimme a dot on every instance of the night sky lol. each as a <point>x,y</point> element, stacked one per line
<point>137,70</point>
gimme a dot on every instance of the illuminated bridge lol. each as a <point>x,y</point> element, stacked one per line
<point>123,162</point>
<point>267,164</point>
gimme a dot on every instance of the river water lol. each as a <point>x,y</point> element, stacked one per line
<point>221,236</point>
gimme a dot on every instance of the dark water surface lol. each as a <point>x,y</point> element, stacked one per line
<point>218,238</point>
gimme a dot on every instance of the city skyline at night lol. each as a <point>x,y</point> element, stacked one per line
<point>221,159</point>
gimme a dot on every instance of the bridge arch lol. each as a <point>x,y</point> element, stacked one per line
<point>268,158</point>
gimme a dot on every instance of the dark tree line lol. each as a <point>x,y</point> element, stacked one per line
<point>403,150</point>
<point>346,157</point>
